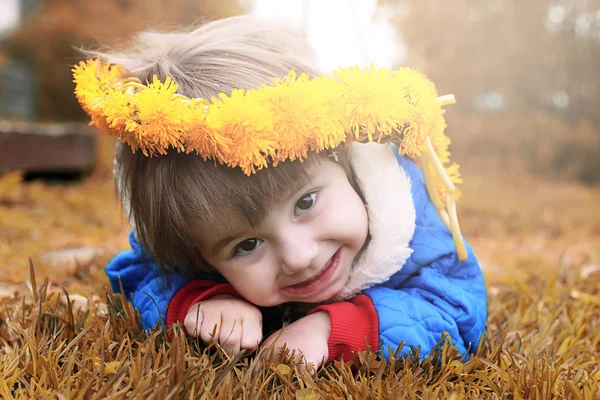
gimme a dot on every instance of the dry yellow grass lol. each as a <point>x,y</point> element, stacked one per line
<point>539,246</point>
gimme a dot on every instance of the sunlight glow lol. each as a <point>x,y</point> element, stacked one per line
<point>342,32</point>
<point>9,15</point>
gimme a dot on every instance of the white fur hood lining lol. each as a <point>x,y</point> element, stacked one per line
<point>390,207</point>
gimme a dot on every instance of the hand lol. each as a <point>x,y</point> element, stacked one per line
<point>308,336</point>
<point>236,323</point>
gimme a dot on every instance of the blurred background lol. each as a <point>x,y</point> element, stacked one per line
<point>525,130</point>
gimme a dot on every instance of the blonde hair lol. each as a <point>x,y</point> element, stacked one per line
<point>237,52</point>
<point>171,198</point>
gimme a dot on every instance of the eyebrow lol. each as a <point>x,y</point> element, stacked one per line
<point>218,246</point>
<point>311,174</point>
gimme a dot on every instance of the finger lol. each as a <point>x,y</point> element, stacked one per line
<point>311,364</point>
<point>272,342</point>
<point>230,335</point>
<point>193,321</point>
<point>210,329</point>
<point>251,335</point>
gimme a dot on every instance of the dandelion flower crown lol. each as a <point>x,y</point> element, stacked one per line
<point>252,129</point>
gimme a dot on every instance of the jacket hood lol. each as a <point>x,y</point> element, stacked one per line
<point>386,189</point>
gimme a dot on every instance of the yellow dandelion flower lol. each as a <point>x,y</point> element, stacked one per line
<point>200,137</point>
<point>248,129</point>
<point>371,98</point>
<point>302,117</point>
<point>331,119</point>
<point>159,116</point>
<point>421,95</point>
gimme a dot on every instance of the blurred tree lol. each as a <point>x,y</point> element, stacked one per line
<point>513,55</point>
<point>50,37</point>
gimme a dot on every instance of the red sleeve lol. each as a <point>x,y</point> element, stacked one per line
<point>191,294</point>
<point>354,326</point>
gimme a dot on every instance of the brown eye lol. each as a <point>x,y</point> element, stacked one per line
<point>305,203</point>
<point>247,246</point>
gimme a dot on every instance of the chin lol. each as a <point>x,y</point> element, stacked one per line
<point>267,302</point>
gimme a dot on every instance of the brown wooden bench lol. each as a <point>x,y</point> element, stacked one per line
<point>42,148</point>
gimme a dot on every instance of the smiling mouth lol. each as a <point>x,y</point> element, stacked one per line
<point>320,280</point>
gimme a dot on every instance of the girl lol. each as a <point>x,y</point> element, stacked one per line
<point>261,201</point>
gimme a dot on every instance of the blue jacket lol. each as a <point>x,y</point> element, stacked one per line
<point>432,293</point>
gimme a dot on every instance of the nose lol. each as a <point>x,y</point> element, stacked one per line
<point>298,249</point>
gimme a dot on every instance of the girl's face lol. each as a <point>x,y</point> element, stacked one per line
<point>302,251</point>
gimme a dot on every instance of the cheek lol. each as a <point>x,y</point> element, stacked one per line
<point>256,283</point>
<point>347,218</point>
<point>354,212</point>
<point>360,220</point>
